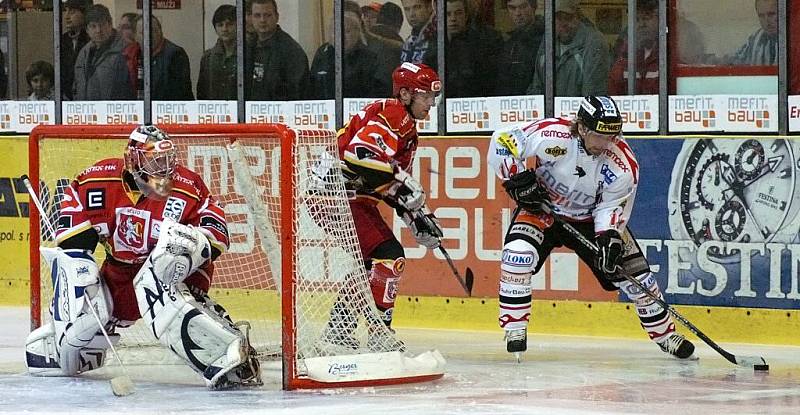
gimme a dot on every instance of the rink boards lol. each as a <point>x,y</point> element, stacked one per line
<point>732,260</point>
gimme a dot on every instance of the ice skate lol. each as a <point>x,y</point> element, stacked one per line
<point>517,342</point>
<point>677,345</point>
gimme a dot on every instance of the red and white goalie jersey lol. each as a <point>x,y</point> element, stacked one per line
<point>377,142</point>
<point>127,223</point>
<point>581,186</point>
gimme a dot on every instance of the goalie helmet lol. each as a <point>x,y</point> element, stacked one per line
<point>416,77</point>
<point>150,158</point>
<point>601,115</point>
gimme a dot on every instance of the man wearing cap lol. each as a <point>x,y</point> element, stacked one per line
<point>582,172</point>
<point>73,39</point>
<point>101,71</point>
<point>582,59</point>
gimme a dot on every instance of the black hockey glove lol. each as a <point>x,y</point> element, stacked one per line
<point>424,226</point>
<point>526,191</point>
<point>611,247</point>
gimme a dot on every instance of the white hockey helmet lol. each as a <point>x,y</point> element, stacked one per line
<point>151,158</point>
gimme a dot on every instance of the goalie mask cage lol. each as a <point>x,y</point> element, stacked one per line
<point>294,268</point>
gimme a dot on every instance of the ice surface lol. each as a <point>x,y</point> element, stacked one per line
<point>559,375</point>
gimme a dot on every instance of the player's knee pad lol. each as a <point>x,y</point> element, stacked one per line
<point>384,280</point>
<point>519,257</point>
<point>180,251</point>
<point>195,331</point>
<point>655,320</point>
<point>75,330</point>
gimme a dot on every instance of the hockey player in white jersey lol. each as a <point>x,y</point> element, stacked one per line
<point>583,171</point>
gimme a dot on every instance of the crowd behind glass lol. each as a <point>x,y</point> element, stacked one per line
<point>493,48</point>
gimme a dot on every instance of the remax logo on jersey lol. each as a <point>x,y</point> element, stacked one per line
<point>468,114</point>
<point>749,111</point>
<point>687,112</point>
<point>171,112</point>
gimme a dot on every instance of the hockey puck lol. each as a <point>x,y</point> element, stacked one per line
<point>761,368</point>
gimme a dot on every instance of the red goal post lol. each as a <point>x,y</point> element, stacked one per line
<point>284,282</point>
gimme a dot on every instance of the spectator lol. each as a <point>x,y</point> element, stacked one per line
<point>519,50</point>
<point>581,56</point>
<point>40,76</point>
<point>390,20</point>
<point>646,54</point>
<point>101,71</point>
<point>277,67</point>
<point>73,40</point>
<point>471,53</point>
<point>217,79</point>
<point>359,72</point>
<point>125,27</point>
<point>369,15</point>
<point>420,46</point>
<point>385,42</point>
<point>170,76</point>
<point>3,77</point>
<point>761,47</point>
<point>691,42</point>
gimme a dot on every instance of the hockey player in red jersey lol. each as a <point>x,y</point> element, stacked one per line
<point>161,230</point>
<point>377,148</point>
<point>583,171</point>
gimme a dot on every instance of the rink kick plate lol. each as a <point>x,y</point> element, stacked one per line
<point>386,367</point>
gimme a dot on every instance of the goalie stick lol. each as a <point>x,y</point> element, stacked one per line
<point>756,362</point>
<point>120,385</point>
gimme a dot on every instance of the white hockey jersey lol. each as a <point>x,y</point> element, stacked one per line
<point>582,187</point>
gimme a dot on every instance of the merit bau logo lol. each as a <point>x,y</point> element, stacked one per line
<point>749,111</point>
<point>468,114</point>
<point>312,114</point>
<point>265,112</point>
<point>520,109</point>
<point>689,112</point>
<point>637,113</point>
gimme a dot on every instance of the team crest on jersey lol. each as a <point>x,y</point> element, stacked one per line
<point>556,151</point>
<point>69,201</point>
<point>173,209</point>
<point>132,230</point>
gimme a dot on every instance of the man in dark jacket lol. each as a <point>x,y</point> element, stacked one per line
<point>170,78</point>
<point>519,50</point>
<point>276,65</point>
<point>73,39</point>
<point>217,79</point>
<point>420,45</point>
<point>3,78</point>
<point>471,54</point>
<point>360,71</point>
<point>101,71</point>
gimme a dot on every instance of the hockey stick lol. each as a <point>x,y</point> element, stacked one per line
<point>467,281</point>
<point>120,385</point>
<point>756,362</point>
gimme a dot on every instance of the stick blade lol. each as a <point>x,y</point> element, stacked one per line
<point>750,361</point>
<point>469,280</point>
<point>122,386</point>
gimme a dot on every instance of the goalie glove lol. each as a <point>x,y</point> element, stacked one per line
<point>424,226</point>
<point>180,250</point>
<point>610,249</point>
<point>406,192</point>
<point>526,191</point>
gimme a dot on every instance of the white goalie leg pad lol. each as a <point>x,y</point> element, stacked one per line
<point>516,269</point>
<point>209,344</point>
<point>71,343</point>
<point>180,250</point>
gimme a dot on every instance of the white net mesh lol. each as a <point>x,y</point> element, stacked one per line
<point>333,309</point>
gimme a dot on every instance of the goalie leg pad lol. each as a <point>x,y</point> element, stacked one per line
<point>656,321</point>
<point>384,280</point>
<point>520,259</point>
<point>73,337</point>
<point>206,341</point>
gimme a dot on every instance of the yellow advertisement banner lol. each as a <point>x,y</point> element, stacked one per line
<point>14,230</point>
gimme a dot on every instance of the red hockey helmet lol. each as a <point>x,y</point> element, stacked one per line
<point>150,158</point>
<point>417,77</point>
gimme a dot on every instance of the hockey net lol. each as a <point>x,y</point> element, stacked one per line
<point>293,262</point>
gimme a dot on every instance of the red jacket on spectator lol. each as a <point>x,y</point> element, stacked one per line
<point>646,74</point>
